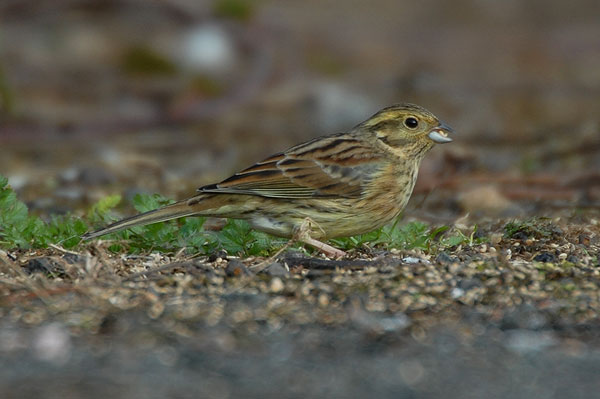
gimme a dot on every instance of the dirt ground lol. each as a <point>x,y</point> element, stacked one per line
<point>100,98</point>
<point>512,318</point>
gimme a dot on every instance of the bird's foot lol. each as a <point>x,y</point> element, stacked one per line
<point>302,233</point>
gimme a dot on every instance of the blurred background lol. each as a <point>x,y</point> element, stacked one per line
<point>126,96</point>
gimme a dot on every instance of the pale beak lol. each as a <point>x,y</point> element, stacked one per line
<point>440,133</point>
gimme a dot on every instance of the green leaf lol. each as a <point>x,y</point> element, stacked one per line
<point>145,202</point>
<point>17,228</point>
<point>453,241</point>
<point>99,213</point>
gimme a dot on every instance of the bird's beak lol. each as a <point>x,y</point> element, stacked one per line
<point>439,134</point>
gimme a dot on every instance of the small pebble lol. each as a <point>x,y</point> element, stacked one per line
<point>584,239</point>
<point>43,265</point>
<point>277,269</point>
<point>323,300</point>
<point>457,292</point>
<point>496,238</point>
<point>276,285</point>
<point>445,259</point>
<point>573,259</point>
<point>412,260</point>
<point>217,255</point>
<point>235,268</point>
<point>545,257</point>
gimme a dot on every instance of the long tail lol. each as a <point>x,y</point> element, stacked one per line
<point>173,211</point>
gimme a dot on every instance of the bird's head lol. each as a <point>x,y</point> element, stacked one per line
<point>406,126</point>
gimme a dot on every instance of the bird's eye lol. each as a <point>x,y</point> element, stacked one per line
<point>411,122</point>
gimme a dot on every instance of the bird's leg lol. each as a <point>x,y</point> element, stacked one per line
<point>302,233</point>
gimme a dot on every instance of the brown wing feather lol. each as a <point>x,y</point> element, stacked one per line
<point>333,166</point>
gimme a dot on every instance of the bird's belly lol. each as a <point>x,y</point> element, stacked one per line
<point>271,225</point>
<point>327,218</point>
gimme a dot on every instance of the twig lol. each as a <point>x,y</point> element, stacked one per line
<point>63,250</point>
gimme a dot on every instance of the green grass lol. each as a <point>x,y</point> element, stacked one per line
<point>410,236</point>
<point>531,228</point>
<point>20,229</point>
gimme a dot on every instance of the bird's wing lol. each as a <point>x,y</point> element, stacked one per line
<point>334,166</point>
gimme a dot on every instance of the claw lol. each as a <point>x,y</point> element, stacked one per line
<point>303,234</point>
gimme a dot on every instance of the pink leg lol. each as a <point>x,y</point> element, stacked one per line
<point>328,250</point>
<point>303,234</point>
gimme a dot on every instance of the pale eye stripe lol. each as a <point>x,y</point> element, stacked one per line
<point>384,125</point>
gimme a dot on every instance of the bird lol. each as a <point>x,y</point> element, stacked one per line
<point>332,186</point>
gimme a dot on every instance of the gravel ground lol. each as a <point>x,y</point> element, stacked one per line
<point>511,318</point>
